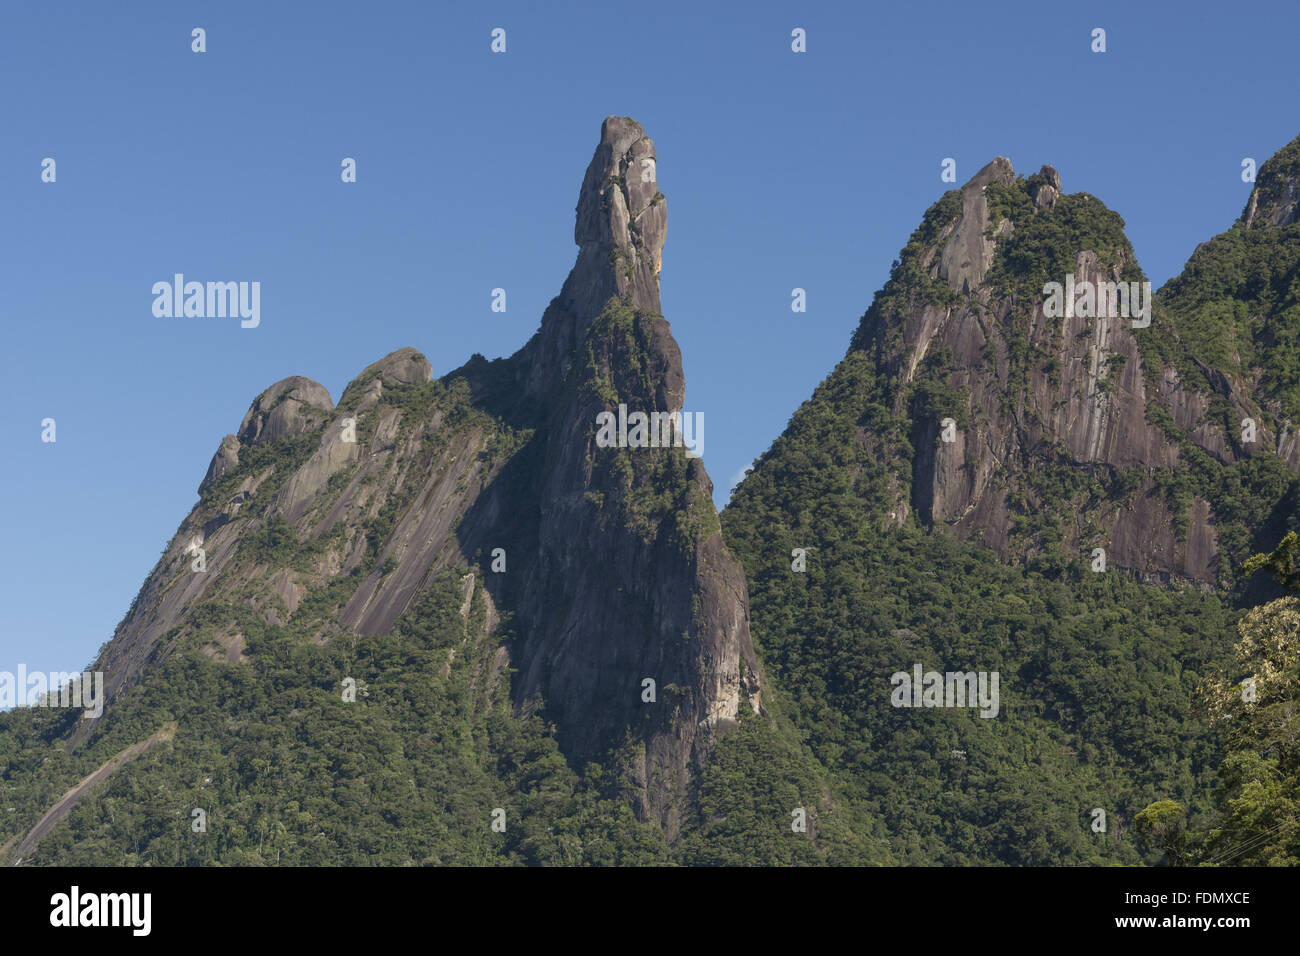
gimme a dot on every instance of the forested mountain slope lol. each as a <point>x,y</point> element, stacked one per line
<point>991,482</point>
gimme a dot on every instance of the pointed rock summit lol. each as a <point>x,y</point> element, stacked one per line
<point>628,619</point>
<point>622,219</point>
<point>1276,195</point>
<point>968,253</point>
<point>1001,392</point>
<point>635,526</point>
<point>621,223</point>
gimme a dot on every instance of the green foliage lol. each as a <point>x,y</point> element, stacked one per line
<point>1097,671</point>
<point>1043,247</point>
<point>661,494</point>
<point>1045,242</point>
<point>1162,826</point>
<point>758,777</point>
<point>931,398</point>
<point>1256,818</point>
<point>909,281</point>
<point>1283,563</point>
<point>285,456</point>
<point>291,774</point>
<point>1254,499</point>
<point>273,543</point>
<point>1236,306</point>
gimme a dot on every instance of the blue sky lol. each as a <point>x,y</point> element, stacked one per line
<point>781,170</point>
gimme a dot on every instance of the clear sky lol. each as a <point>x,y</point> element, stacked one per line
<point>781,170</point>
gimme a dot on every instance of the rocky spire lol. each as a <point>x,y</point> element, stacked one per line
<point>622,220</point>
<point>673,605</point>
<point>1046,188</point>
<point>618,572</point>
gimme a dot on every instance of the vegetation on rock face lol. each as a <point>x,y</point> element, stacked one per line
<point>1236,309</point>
<point>1256,700</point>
<point>1101,675</point>
<point>1097,676</point>
<point>290,773</point>
<point>284,457</point>
<point>1115,696</point>
<point>1043,246</point>
<point>658,493</point>
<point>1283,563</point>
<point>910,281</point>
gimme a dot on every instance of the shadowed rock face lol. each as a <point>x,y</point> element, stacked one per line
<point>615,569</point>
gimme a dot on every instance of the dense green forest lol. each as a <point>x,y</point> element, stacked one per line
<point>1099,675</point>
<point>290,772</point>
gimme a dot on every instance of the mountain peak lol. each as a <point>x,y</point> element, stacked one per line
<point>290,407</point>
<point>406,366</point>
<point>1276,195</point>
<point>968,253</point>
<point>318,521</point>
<point>964,334</point>
<point>622,219</point>
<point>998,168</point>
<point>1045,187</point>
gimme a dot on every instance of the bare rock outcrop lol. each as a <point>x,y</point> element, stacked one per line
<point>612,565</point>
<point>965,257</point>
<point>292,406</point>
<point>621,224</point>
<point>226,459</point>
<point>1045,391</point>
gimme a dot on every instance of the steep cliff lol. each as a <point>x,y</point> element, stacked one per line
<point>324,523</point>
<point>1233,314</point>
<point>1018,312</point>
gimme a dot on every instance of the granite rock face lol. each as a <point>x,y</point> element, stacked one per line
<point>1062,393</point>
<point>290,407</point>
<point>226,459</point>
<point>1047,192</point>
<point>610,561</point>
<point>622,221</point>
<point>967,253</point>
